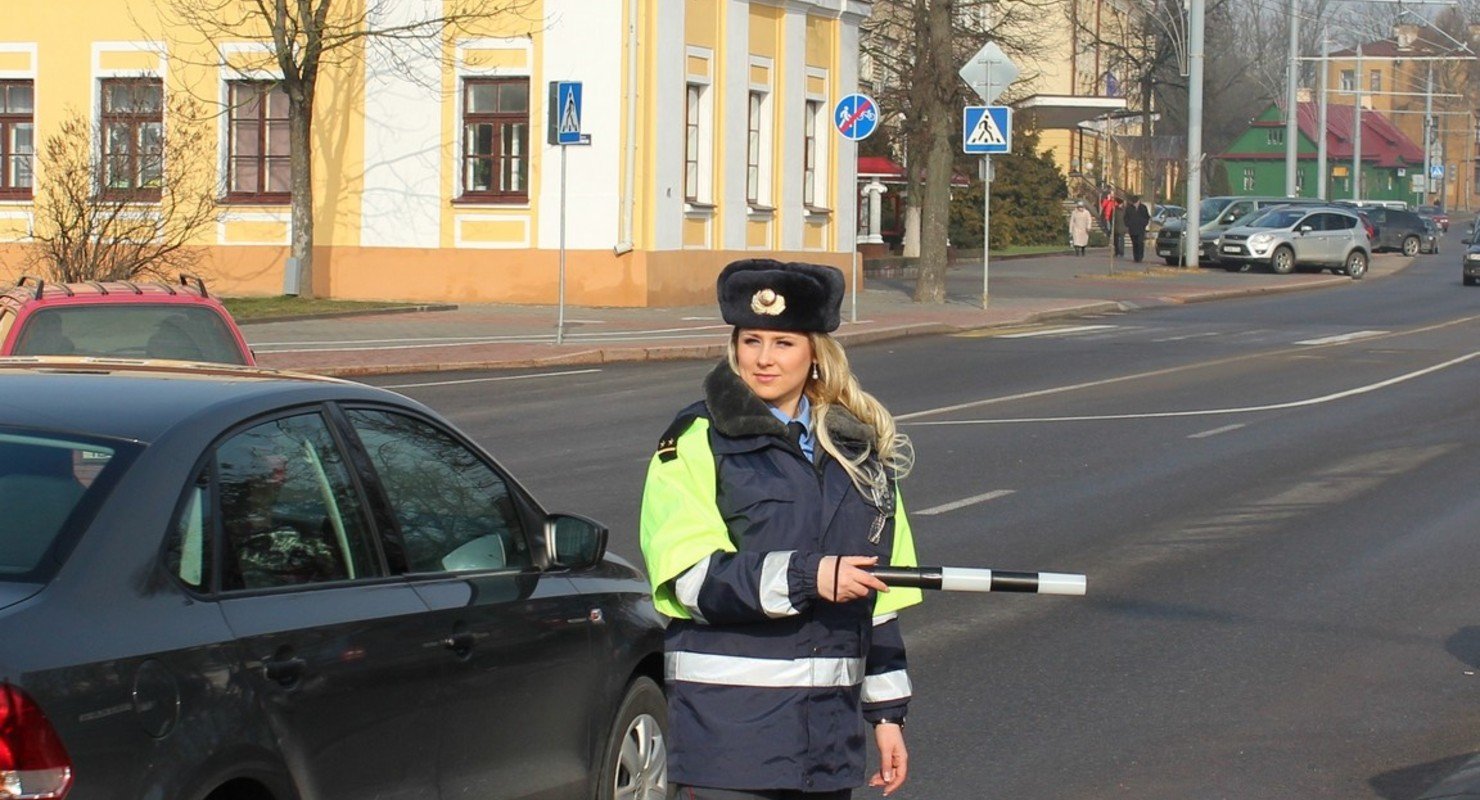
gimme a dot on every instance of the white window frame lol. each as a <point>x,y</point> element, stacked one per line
<point>702,197</point>
<point>1248,179</point>
<point>765,121</point>
<point>819,120</point>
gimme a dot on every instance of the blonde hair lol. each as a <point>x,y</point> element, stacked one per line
<point>835,385</point>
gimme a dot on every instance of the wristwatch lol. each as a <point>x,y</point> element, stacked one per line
<point>890,721</point>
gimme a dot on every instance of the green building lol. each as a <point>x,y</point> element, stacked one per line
<point>1390,161</point>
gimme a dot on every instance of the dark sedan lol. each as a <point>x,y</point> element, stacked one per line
<point>232,583</point>
<point>1469,265</point>
<point>1396,230</point>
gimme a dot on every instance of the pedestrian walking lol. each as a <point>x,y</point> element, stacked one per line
<point>765,506</point>
<point>1117,227</point>
<point>1079,225</point>
<point>1107,210</point>
<point>1137,218</point>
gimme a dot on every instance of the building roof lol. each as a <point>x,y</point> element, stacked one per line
<point>1383,145</point>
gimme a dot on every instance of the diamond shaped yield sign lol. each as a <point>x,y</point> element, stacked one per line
<point>989,72</point>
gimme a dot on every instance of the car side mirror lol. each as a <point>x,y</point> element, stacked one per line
<point>1306,229</point>
<point>574,542</point>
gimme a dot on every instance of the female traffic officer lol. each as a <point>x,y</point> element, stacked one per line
<point>764,507</point>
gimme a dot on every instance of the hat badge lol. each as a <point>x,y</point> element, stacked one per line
<point>768,302</point>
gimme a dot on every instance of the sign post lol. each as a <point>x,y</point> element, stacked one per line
<point>564,129</point>
<point>856,117</point>
<point>986,130</point>
<point>988,73</point>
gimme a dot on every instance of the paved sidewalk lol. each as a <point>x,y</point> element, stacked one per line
<point>1022,291</point>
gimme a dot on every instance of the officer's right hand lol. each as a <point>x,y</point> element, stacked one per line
<point>841,579</point>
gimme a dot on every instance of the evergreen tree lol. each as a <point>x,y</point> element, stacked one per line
<point>1027,199</point>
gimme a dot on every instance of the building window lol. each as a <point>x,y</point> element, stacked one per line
<point>1375,81</point>
<point>1248,179</point>
<point>133,136</point>
<point>812,157</point>
<point>693,99</point>
<point>258,165</point>
<point>495,145</point>
<point>1274,135</point>
<point>1299,181</point>
<point>1348,80</point>
<point>753,149</point>
<point>17,137</point>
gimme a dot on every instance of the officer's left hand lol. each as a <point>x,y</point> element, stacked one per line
<point>893,759</point>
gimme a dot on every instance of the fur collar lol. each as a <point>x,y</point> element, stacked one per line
<point>736,411</point>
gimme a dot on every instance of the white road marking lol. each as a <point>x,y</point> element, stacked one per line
<point>1054,331</point>
<point>1345,337</point>
<point>970,501</point>
<point>1187,336</point>
<point>1310,401</point>
<point>487,380</point>
<point>1216,431</point>
<point>1155,373</point>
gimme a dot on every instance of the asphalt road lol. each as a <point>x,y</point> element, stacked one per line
<point>1273,498</point>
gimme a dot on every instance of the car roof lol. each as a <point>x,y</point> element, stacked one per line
<point>142,400</point>
<point>30,290</point>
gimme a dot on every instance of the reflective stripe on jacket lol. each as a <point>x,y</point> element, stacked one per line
<point>769,687</point>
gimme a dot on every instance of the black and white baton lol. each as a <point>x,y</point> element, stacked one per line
<point>969,579</point>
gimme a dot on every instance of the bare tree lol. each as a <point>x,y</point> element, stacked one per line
<point>917,48</point>
<point>88,228</point>
<point>304,37</point>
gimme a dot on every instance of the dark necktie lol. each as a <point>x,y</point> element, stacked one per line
<point>794,431</point>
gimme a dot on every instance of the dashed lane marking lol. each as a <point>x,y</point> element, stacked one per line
<point>969,501</point>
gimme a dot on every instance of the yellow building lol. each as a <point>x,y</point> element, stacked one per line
<point>1394,77</point>
<point>710,124</point>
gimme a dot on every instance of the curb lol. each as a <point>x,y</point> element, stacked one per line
<point>369,312</point>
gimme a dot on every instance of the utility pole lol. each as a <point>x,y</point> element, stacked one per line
<point>1195,24</point>
<point>1357,130</point>
<point>1292,93</point>
<point>1428,135</point>
<point>1321,173</point>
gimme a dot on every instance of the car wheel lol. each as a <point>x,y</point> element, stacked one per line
<point>1283,261</point>
<point>1172,262</point>
<point>1410,246</point>
<point>1356,264</point>
<point>635,762</point>
<point>1469,281</point>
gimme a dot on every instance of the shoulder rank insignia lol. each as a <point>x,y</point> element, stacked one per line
<point>668,445</point>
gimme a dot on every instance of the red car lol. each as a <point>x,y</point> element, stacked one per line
<point>1436,214</point>
<point>119,319</point>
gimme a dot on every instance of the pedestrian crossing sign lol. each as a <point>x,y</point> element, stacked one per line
<point>986,130</point>
<point>565,114</point>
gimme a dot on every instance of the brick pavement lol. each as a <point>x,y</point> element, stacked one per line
<point>1021,291</point>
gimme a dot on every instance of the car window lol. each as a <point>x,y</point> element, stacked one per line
<point>133,330</point>
<point>1341,222</point>
<point>455,512</point>
<point>285,508</point>
<point>44,481</point>
<point>1279,218</point>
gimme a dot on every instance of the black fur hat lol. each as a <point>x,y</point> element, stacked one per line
<point>764,293</point>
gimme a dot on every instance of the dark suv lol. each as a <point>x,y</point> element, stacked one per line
<point>1396,230</point>
<point>1216,215</point>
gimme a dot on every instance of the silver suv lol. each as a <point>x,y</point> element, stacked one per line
<point>1288,238</point>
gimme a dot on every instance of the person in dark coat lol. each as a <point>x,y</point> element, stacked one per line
<point>765,506</point>
<point>1137,218</point>
<point>1117,227</point>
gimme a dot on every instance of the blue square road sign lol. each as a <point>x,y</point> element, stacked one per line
<point>986,130</point>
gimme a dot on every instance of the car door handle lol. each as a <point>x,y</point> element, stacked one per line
<point>284,671</point>
<point>460,642</point>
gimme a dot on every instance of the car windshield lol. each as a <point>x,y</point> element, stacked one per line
<point>1209,210</point>
<point>132,330</point>
<point>1429,210</point>
<point>46,483</point>
<point>1277,218</point>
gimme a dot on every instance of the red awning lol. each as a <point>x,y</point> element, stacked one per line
<point>889,172</point>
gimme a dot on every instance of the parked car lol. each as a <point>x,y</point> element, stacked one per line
<point>1296,237</point>
<point>1396,230</point>
<point>1469,265</point>
<point>1436,214</point>
<point>119,319</point>
<point>225,582</point>
<point>1216,214</point>
<point>1164,214</point>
